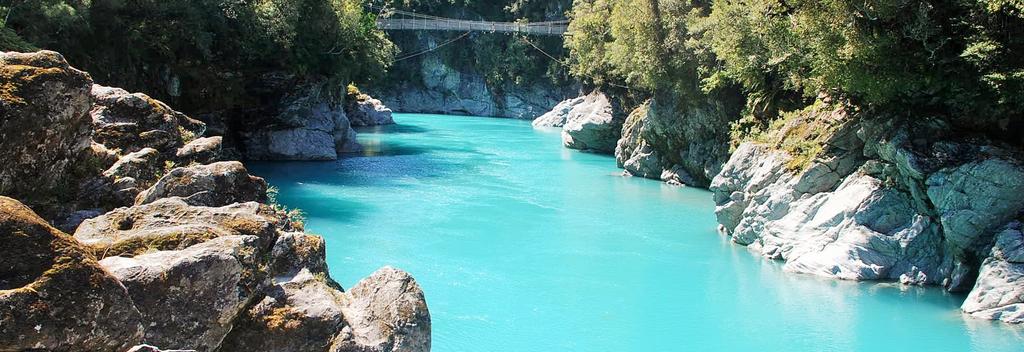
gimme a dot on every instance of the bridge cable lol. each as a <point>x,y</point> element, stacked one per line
<point>563,63</point>
<point>421,52</point>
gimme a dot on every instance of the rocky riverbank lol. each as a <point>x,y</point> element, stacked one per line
<point>162,241</point>
<point>836,191</point>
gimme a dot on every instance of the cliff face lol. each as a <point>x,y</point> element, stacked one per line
<point>439,88</point>
<point>835,191</point>
<point>171,247</point>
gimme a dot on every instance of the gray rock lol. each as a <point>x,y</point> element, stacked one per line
<point>662,134</point>
<point>558,115</point>
<point>442,89</point>
<point>999,291</point>
<point>53,294</point>
<point>215,184</point>
<point>189,298</point>
<point>172,224</point>
<point>974,199</point>
<point>143,164</point>
<point>202,150</point>
<point>593,125</point>
<point>367,111</point>
<point>385,312</point>
<point>44,125</point>
<point>301,313</point>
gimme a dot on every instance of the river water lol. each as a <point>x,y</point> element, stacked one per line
<point>522,245</point>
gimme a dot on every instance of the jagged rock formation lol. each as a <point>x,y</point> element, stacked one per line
<point>192,258</point>
<point>876,203</point>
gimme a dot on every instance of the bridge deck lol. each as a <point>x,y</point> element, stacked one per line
<point>472,26</point>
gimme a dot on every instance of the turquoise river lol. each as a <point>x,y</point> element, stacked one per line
<point>522,245</point>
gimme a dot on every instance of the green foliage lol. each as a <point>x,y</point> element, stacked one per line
<point>10,41</point>
<point>215,47</point>
<point>958,59</point>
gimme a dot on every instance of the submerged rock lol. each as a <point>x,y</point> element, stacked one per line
<point>53,294</point>
<point>593,125</point>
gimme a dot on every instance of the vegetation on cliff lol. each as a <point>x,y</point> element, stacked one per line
<point>954,59</point>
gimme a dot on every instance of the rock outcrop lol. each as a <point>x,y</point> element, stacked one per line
<point>559,114</point>
<point>873,204</point>
<point>594,124</point>
<point>191,258</point>
<point>309,124</point>
<point>216,184</point>
<point>999,292</point>
<point>676,141</point>
<point>364,110</point>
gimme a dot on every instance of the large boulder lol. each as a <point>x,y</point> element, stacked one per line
<point>999,292</point>
<point>130,122</point>
<point>189,298</point>
<point>367,111</point>
<point>172,224</point>
<point>594,124</point>
<point>54,295</point>
<point>974,199</point>
<point>386,312</point>
<point>44,125</point>
<point>215,184</point>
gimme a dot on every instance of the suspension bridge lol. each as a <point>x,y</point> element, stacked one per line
<point>390,19</point>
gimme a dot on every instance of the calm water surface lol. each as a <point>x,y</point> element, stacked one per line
<point>521,245</point>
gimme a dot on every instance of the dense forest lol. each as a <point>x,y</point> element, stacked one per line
<point>958,60</point>
<point>202,55</point>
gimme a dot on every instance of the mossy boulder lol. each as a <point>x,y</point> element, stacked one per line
<point>215,184</point>
<point>172,224</point>
<point>44,125</point>
<point>129,122</point>
<point>53,294</point>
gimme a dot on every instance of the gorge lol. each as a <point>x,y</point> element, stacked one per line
<point>667,175</point>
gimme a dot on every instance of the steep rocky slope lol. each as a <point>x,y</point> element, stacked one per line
<point>180,257</point>
<point>836,191</point>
